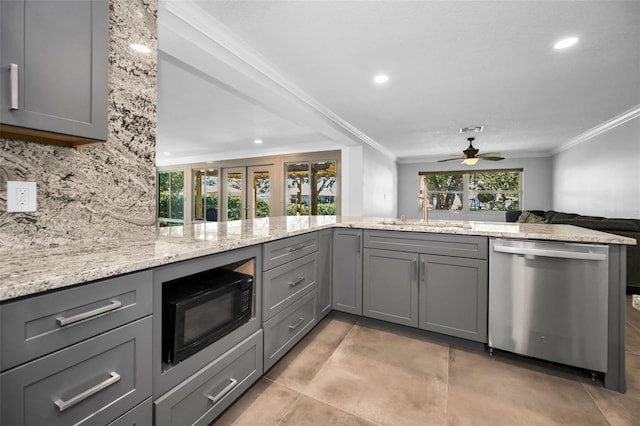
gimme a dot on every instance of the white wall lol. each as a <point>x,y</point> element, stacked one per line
<point>370,180</point>
<point>379,185</point>
<point>537,191</point>
<point>600,177</point>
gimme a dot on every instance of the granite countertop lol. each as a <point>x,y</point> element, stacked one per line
<point>36,270</point>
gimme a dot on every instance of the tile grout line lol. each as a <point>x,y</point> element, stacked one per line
<point>586,388</point>
<point>326,402</point>
<point>323,364</point>
<point>290,408</point>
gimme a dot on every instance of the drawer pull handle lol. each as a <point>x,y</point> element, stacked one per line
<point>13,81</point>
<point>63,405</point>
<point>62,321</point>
<point>296,248</point>
<point>296,325</point>
<point>232,384</point>
<point>296,281</point>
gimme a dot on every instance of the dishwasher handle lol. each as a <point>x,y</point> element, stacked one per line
<point>563,254</point>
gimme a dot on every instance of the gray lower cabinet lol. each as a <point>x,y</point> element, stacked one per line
<point>279,252</point>
<point>56,320</point>
<point>205,395</point>
<point>406,284</point>
<point>454,296</point>
<point>54,66</point>
<point>90,383</point>
<point>390,286</point>
<point>324,272</point>
<point>287,283</point>
<point>142,415</point>
<point>347,270</point>
<point>286,329</point>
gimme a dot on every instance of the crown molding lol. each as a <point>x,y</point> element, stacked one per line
<point>598,130</point>
<point>193,15</point>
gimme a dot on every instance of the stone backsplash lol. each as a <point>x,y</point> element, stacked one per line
<point>101,191</point>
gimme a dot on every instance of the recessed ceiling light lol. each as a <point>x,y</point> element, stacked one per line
<point>166,153</point>
<point>381,78</point>
<point>140,48</point>
<point>257,141</point>
<point>566,42</point>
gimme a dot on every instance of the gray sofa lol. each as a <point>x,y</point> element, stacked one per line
<point>626,227</point>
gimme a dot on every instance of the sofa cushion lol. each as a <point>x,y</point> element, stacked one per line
<point>529,217</point>
<point>600,224</point>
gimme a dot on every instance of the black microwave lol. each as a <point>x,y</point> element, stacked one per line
<point>199,309</point>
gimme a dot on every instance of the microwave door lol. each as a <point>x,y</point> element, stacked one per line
<point>202,319</point>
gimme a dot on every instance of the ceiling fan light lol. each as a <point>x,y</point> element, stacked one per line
<point>470,161</point>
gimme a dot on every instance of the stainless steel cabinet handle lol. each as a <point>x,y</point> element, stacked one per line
<point>423,271</point>
<point>296,248</point>
<point>414,269</point>
<point>296,281</point>
<point>232,384</point>
<point>63,405</point>
<point>13,80</point>
<point>359,243</point>
<point>296,325</point>
<point>62,321</point>
<point>562,254</point>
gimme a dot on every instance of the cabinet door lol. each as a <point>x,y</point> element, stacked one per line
<point>453,296</point>
<point>390,286</point>
<point>347,270</point>
<point>59,52</point>
<point>324,293</point>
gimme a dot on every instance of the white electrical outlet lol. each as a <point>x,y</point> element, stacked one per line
<point>21,196</point>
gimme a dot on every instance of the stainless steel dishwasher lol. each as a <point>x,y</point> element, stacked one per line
<point>548,300</point>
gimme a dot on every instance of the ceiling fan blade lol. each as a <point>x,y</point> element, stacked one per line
<point>492,158</point>
<point>490,154</point>
<point>450,159</point>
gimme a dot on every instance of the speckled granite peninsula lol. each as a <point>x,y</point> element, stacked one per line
<point>32,271</point>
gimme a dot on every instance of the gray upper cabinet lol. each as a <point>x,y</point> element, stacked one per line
<point>54,70</point>
<point>347,270</point>
<point>324,292</point>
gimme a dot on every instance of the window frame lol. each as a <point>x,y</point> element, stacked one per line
<point>171,170</point>
<point>467,191</point>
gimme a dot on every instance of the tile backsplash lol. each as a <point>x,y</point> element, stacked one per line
<point>99,191</point>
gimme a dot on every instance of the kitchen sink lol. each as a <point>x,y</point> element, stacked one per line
<point>447,224</point>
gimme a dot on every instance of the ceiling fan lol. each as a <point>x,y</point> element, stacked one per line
<point>471,155</point>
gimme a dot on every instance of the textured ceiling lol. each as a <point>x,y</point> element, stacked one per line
<point>451,64</point>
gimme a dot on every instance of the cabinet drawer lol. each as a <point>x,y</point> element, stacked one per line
<point>279,252</point>
<point>142,415</point>
<point>202,397</point>
<point>285,329</point>
<point>287,283</point>
<point>39,325</point>
<point>474,247</point>
<point>90,383</point>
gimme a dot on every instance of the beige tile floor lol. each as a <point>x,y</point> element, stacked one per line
<point>347,373</point>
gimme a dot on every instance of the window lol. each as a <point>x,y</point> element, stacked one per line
<point>311,188</point>
<point>205,194</point>
<point>477,191</point>
<point>171,197</point>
